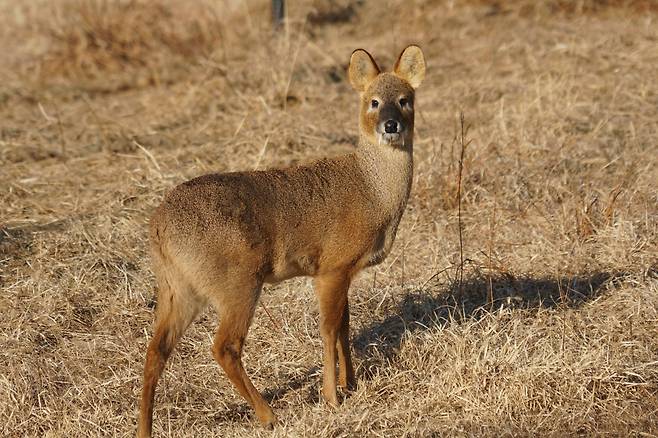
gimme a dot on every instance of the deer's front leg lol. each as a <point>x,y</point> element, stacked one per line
<point>346,378</point>
<point>331,291</point>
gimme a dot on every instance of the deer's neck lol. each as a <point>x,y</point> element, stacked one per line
<point>388,171</point>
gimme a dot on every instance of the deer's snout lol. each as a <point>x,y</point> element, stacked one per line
<point>391,126</point>
<point>390,120</point>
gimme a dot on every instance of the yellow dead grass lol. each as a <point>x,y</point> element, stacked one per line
<point>559,208</point>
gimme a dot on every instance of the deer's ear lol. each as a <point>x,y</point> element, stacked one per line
<point>363,70</point>
<point>411,66</point>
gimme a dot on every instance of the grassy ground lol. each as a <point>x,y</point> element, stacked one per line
<point>104,106</point>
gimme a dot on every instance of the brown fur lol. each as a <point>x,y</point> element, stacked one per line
<point>217,238</point>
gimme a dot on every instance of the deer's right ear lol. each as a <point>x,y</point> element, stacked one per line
<point>363,70</point>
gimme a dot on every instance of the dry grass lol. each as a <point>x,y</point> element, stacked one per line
<point>99,40</point>
<point>553,331</point>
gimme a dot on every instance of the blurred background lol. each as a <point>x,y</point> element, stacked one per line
<point>540,320</point>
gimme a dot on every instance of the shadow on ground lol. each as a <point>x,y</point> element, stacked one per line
<point>16,241</point>
<point>379,342</point>
<point>295,383</point>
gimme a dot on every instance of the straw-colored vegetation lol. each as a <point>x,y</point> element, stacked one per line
<point>105,105</point>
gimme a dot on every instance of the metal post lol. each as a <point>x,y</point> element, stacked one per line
<point>278,13</point>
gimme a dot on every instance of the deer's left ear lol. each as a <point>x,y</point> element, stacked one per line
<point>411,66</point>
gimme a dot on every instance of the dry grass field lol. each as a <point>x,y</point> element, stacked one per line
<point>549,327</point>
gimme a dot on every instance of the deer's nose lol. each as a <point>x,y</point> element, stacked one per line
<point>391,126</point>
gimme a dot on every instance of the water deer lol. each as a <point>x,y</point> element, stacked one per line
<point>218,238</point>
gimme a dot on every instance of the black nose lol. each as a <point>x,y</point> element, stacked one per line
<point>391,126</point>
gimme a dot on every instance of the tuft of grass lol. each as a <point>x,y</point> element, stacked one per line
<point>94,39</point>
<point>569,7</point>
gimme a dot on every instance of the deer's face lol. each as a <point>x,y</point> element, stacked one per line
<point>387,99</point>
<point>387,111</point>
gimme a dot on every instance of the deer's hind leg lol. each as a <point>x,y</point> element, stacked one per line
<point>177,306</point>
<point>235,305</point>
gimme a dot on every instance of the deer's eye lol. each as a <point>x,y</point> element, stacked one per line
<point>404,102</point>
<point>374,103</point>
